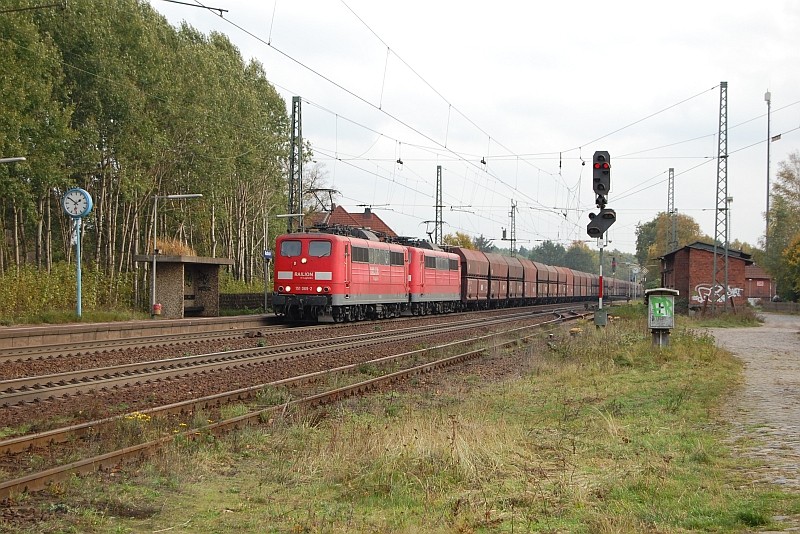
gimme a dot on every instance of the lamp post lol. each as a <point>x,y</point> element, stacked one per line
<point>728,223</point>
<point>155,249</point>
<point>292,216</point>
<point>768,100</point>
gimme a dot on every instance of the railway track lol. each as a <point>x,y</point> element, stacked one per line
<point>59,385</point>
<point>92,430</point>
<point>26,344</point>
<point>85,347</point>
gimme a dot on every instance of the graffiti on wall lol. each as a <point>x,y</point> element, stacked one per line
<point>714,293</point>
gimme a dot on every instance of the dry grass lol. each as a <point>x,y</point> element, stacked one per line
<point>174,247</point>
<point>596,433</point>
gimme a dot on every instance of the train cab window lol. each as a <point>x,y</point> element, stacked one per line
<point>319,249</point>
<point>291,248</point>
<point>360,254</point>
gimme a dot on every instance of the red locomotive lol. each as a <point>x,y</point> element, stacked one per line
<point>357,278</point>
<point>434,281</point>
<point>349,278</point>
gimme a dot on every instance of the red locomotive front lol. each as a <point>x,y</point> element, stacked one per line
<point>343,277</point>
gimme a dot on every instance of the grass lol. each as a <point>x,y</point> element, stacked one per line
<point>40,296</point>
<point>69,316</point>
<point>601,433</point>
<point>743,316</point>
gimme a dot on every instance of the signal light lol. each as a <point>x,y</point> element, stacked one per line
<point>601,222</point>
<point>601,176</point>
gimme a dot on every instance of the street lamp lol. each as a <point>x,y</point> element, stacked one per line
<point>728,202</point>
<point>292,216</point>
<point>11,160</point>
<point>155,249</point>
<point>768,100</point>
<point>633,270</point>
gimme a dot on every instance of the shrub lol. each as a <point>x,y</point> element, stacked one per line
<point>33,292</point>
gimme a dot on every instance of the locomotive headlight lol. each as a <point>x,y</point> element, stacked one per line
<point>280,289</point>
<point>288,289</point>
<point>319,289</point>
<point>326,289</point>
<point>304,260</point>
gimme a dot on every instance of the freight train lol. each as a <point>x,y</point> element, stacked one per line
<point>359,277</point>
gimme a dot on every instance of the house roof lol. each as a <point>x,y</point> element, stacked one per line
<point>709,247</point>
<point>755,272</point>
<point>341,217</point>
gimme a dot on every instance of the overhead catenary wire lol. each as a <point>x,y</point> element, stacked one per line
<point>497,178</point>
<point>463,157</point>
<point>367,102</point>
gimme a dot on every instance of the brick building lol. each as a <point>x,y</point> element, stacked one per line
<point>690,271</point>
<point>757,283</point>
<point>338,216</point>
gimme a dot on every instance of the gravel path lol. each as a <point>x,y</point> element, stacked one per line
<point>764,413</point>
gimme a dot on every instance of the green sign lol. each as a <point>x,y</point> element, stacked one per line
<point>662,311</point>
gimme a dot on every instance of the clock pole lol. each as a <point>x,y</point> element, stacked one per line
<point>78,308</point>
<point>77,204</point>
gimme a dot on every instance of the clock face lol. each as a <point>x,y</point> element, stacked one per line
<point>77,203</point>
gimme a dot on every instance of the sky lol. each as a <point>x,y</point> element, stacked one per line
<point>532,89</point>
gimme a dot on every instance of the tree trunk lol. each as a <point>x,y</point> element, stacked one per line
<point>48,236</point>
<point>16,238</point>
<point>40,203</point>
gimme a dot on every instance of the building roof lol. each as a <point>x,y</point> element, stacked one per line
<point>755,272</point>
<point>709,247</point>
<point>341,217</point>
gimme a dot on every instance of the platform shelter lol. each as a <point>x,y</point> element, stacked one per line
<point>186,285</point>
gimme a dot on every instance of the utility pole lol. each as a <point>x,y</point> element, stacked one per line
<point>721,226</point>
<point>296,167</point>
<point>513,228</point>
<point>437,236</point>
<point>768,99</point>
<point>672,241</point>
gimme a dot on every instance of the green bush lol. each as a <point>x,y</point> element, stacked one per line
<point>228,285</point>
<point>35,293</point>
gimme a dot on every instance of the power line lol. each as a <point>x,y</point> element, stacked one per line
<point>570,191</point>
<point>378,108</point>
<point>219,11</point>
<point>643,118</point>
<point>61,5</point>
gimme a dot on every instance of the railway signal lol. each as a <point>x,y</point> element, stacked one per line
<point>601,176</point>
<point>601,222</point>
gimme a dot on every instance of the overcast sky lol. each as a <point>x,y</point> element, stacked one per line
<point>534,89</point>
